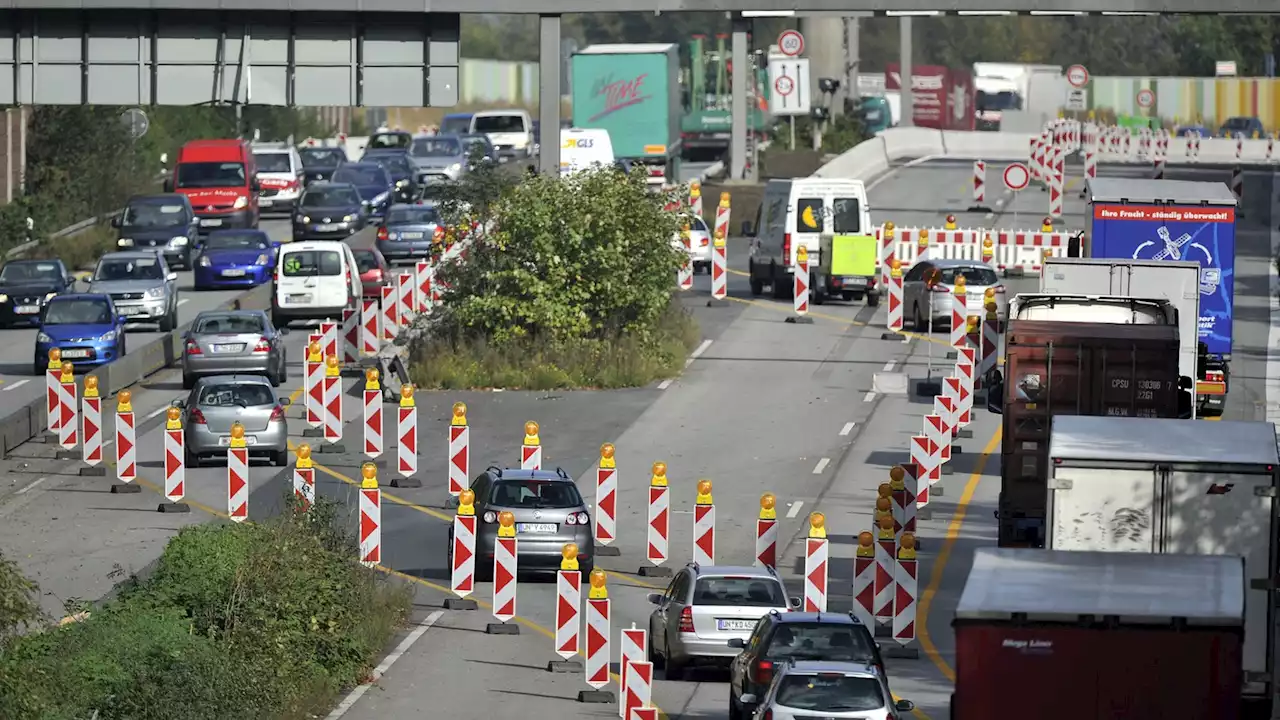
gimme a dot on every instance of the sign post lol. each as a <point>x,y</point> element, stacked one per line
<point>789,78</point>
<point>1016,178</point>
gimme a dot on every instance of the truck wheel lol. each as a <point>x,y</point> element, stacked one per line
<point>757,285</point>
<point>873,299</point>
<point>819,295</point>
<point>779,285</point>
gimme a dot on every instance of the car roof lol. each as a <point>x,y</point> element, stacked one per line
<point>515,474</point>
<point>331,184</point>
<point>831,666</point>
<point>131,255</point>
<point>957,263</point>
<point>79,296</point>
<point>241,379</point>
<point>727,570</point>
<point>359,165</point>
<point>239,231</point>
<point>312,245</point>
<point>32,261</point>
<point>459,115</point>
<point>428,205</point>
<point>159,198</point>
<point>224,313</point>
<point>832,618</point>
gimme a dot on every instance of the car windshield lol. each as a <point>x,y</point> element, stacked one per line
<point>16,273</point>
<point>535,494</point>
<point>819,641</point>
<point>499,124</point>
<point>365,260</point>
<point>273,162</point>
<point>395,164</point>
<point>129,269</point>
<point>228,324</point>
<point>232,241</point>
<point>309,263</point>
<point>830,692</point>
<point>151,214</point>
<point>412,215</point>
<point>455,124</point>
<point>322,157</point>
<point>210,174</point>
<point>697,224</point>
<point>473,141</point>
<point>975,276</point>
<point>389,140</point>
<point>741,591</point>
<point>436,147</point>
<point>330,197</point>
<point>77,312</point>
<point>361,175</point>
<point>1238,123</point>
<point>236,395</point>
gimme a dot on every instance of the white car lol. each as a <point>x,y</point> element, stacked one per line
<point>280,175</point>
<point>699,243</point>
<point>315,280</point>
<point>510,131</point>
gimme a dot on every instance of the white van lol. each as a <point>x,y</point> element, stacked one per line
<point>582,149</point>
<point>800,211</point>
<point>510,131</point>
<point>280,174</point>
<point>315,280</point>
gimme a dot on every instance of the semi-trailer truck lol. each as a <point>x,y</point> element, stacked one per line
<point>1144,485</point>
<point>1072,635</point>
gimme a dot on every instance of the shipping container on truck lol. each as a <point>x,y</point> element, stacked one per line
<point>1177,281</point>
<point>1070,368</point>
<point>708,83</point>
<point>943,98</point>
<point>1177,220</point>
<point>1104,636</point>
<point>1170,486</point>
<point>633,92</point>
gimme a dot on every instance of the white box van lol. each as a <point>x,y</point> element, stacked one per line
<point>510,131</point>
<point>280,175</point>
<point>800,211</point>
<point>582,149</point>
<point>315,280</point>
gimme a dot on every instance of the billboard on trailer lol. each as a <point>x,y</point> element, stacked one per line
<point>942,97</point>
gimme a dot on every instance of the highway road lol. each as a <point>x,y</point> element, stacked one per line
<point>763,406</point>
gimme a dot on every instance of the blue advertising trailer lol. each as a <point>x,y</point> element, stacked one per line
<point>1138,219</point>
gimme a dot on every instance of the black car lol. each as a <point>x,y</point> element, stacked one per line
<point>471,142</point>
<point>792,636</point>
<point>25,287</point>
<point>161,222</point>
<point>329,211</point>
<point>400,166</point>
<point>318,163</point>
<point>372,181</point>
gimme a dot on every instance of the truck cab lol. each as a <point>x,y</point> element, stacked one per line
<point>219,178</point>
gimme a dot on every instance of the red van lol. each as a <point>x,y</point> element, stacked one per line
<point>219,178</point>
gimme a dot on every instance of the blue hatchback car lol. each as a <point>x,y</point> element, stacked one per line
<point>235,258</point>
<point>85,326</point>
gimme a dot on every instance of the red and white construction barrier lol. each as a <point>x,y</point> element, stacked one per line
<point>895,287</point>
<point>372,413</point>
<point>597,661</point>
<point>126,439</point>
<point>904,501</point>
<point>800,289</point>
<point>684,275</point>
<point>959,313</point>
<point>390,314</point>
<point>370,516</point>
<point>632,649</point>
<point>92,431</point>
<point>637,691</point>
<point>937,427</point>
<point>332,400</point>
<point>568,602</point>
<point>407,433</point>
<point>1057,178</point>
<point>606,529</point>
<point>505,568</point>
<point>884,586</point>
<point>69,408</point>
<point>237,475</point>
<point>659,521</point>
<point>815,564</point>
<point>905,580</point>
<point>459,450</point>
<point>695,198</point>
<point>329,338</point>
<point>404,298</point>
<point>966,370</point>
<point>52,379</point>
<point>719,268</point>
<point>350,335</point>
<point>422,286</point>
<point>990,344</point>
<point>175,457</point>
<point>704,526</point>
<point>953,388</point>
<point>315,381</point>
<point>304,478</point>
<point>979,187</point>
<point>1236,184</point>
<point>462,575</point>
<point>864,579</point>
<point>923,468</point>
<point>370,327</point>
<point>767,532</point>
<point>531,448</point>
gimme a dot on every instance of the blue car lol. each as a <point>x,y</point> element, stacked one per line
<point>372,181</point>
<point>235,258</point>
<point>85,326</point>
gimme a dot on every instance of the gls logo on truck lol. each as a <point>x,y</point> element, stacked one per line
<point>579,143</point>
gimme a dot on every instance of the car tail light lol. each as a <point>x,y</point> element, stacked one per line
<point>580,518</point>
<point>277,414</point>
<point>704,241</point>
<point>490,517</point>
<point>1000,289</point>
<point>438,234</point>
<point>786,248</point>
<point>262,346</point>
<point>293,184</point>
<point>193,348</point>
<point>762,672</point>
<point>940,288</point>
<point>376,274</point>
<point>197,417</point>
<point>768,715</point>
<point>1214,376</point>
<point>382,233</point>
<point>686,620</point>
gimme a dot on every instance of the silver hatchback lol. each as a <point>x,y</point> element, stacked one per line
<point>830,691</point>
<point>705,607</point>
<point>234,341</point>
<point>218,402</point>
<point>919,301</point>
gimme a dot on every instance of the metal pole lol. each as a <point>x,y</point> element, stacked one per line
<point>852,58</point>
<point>792,144</point>
<point>904,62</point>
<point>549,94</point>
<point>738,104</point>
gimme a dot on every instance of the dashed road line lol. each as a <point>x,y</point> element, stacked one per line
<point>794,510</point>
<point>822,465</point>
<point>697,353</point>
<point>17,385</point>
<point>888,367</point>
<point>848,428</point>
<point>870,396</point>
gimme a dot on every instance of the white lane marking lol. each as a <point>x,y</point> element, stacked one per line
<point>794,510</point>
<point>354,696</point>
<point>822,465</point>
<point>697,353</point>
<point>870,396</point>
<point>154,413</point>
<point>681,512</point>
<point>17,385</point>
<point>848,428</point>
<point>665,383</point>
<point>888,367</point>
<point>32,486</point>
<point>181,300</point>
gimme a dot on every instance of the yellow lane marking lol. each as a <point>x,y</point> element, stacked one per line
<point>833,318</point>
<point>944,555</point>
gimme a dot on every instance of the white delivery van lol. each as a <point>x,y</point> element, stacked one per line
<point>315,280</point>
<point>510,131</point>
<point>1148,485</point>
<point>581,149</point>
<point>800,211</point>
<point>279,172</point>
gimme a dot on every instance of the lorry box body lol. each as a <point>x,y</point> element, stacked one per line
<point>943,98</point>
<point>1071,635</point>
<point>1070,368</point>
<point>1170,486</point>
<point>1109,309</point>
<point>1160,220</point>
<point>1175,281</point>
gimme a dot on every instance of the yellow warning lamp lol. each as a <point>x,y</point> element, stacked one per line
<point>695,189</point>
<point>659,476</point>
<point>817,526</point>
<point>951,222</point>
<point>971,323</point>
<point>961,286</point>
<point>884,506</point>
<point>1048,253</point>
<point>467,503</point>
<point>124,401</point>
<point>173,419</point>
<point>598,591</point>
<point>1046,225</point>
<point>989,295</point>
<point>992,310</point>
<point>718,242</point>
<point>606,456</point>
<point>922,240</point>
<point>768,507</point>
<point>331,368</point>
<point>888,230</point>
<point>724,200</point>
<point>895,268</point>
<point>885,523</point>
<point>91,386</point>
<point>569,556</point>
<point>55,359</point>
<point>907,546</point>
<point>314,352</point>
<point>988,249</point>
<point>704,493</point>
<point>506,524</point>
<point>67,374</point>
<point>304,457</point>
<point>531,434</point>
<point>802,255</point>
<point>406,395</point>
<point>866,545</point>
<point>369,476</point>
<point>884,490</point>
<point>459,415</point>
<point>684,236</point>
<point>237,435</point>
<point>896,477</point>
<point>371,379</point>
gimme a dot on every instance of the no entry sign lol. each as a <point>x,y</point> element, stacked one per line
<point>1016,177</point>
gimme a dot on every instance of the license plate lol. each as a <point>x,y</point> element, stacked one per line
<point>411,236</point>
<point>73,353</point>
<point>27,309</point>
<point>297,299</point>
<point>210,222</point>
<point>736,625</point>
<point>229,348</point>
<point>127,310</point>
<point>536,527</point>
<point>326,228</point>
<point>263,202</point>
<point>854,281</point>
<point>233,273</point>
<point>248,440</point>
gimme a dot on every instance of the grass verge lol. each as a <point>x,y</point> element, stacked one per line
<point>594,363</point>
<point>253,621</point>
<point>80,251</point>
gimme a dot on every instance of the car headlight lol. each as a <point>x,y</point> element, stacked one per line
<point>155,292</point>
<point>304,219</point>
<point>242,202</point>
<point>402,183</point>
<point>4,298</point>
<point>108,336</point>
<point>350,218</point>
<point>124,242</point>
<point>455,167</point>
<point>50,296</point>
<point>382,197</point>
<point>179,241</point>
<point>205,261</point>
<point>42,337</point>
<point>262,260</point>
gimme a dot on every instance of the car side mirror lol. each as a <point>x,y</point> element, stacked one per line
<point>116,222</point>
<point>748,699</point>
<point>904,706</point>
<point>747,230</point>
<point>283,330</point>
<point>793,602</point>
<point>275,244</point>
<point>168,185</point>
<point>171,276</point>
<point>737,643</point>
<point>254,185</point>
<point>286,401</point>
<point>179,403</point>
<point>120,320</point>
<point>654,598</point>
<point>995,392</point>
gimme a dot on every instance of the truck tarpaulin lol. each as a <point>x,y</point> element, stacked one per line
<point>1203,234</point>
<point>942,97</point>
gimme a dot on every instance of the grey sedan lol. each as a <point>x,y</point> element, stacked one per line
<point>237,341</point>
<point>218,402</point>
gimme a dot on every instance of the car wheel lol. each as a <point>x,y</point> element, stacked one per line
<point>284,369</point>
<point>38,368</point>
<point>674,670</point>
<point>778,285</point>
<point>917,322</point>
<point>873,299</point>
<point>757,285</point>
<point>188,381</point>
<point>168,322</point>
<point>192,459</point>
<point>279,321</point>
<point>735,711</point>
<point>280,459</point>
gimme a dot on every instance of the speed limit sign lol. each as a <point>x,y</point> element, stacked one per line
<point>791,43</point>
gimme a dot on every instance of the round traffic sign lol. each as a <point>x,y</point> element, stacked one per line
<point>1017,177</point>
<point>784,85</point>
<point>136,122</point>
<point>1078,76</point>
<point>791,43</point>
<point>1146,98</point>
